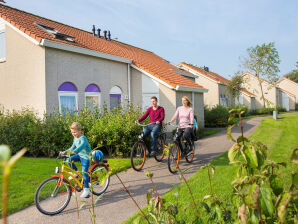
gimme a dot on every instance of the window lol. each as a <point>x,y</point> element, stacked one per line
<point>2,46</point>
<point>115,97</point>
<point>68,98</point>
<point>92,97</point>
<point>55,33</point>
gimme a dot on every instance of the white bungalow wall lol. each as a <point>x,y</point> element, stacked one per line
<point>149,88</point>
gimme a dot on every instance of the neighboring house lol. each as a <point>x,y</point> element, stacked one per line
<point>216,85</point>
<point>289,85</point>
<point>48,65</point>
<point>272,95</point>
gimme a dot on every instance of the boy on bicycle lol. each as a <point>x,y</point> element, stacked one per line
<point>81,148</point>
<point>156,114</point>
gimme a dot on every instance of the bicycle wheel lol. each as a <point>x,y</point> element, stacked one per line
<point>173,159</point>
<point>50,198</point>
<point>138,155</point>
<point>99,179</point>
<point>160,149</point>
<point>190,155</point>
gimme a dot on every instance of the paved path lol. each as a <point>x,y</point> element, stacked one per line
<point>116,206</point>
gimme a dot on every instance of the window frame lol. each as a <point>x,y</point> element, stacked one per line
<point>2,30</point>
<point>67,93</point>
<point>98,94</point>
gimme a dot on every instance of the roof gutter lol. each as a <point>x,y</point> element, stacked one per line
<point>189,89</point>
<point>80,50</point>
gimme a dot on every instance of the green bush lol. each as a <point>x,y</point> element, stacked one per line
<point>114,130</point>
<point>296,107</point>
<point>216,116</point>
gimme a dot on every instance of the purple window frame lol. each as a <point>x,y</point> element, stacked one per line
<point>119,99</point>
<point>92,88</point>
<point>68,87</point>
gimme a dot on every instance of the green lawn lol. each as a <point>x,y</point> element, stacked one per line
<point>280,136</point>
<point>28,173</point>
<point>212,131</point>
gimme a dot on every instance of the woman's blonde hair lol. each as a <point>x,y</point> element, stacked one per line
<point>76,126</point>
<point>189,104</point>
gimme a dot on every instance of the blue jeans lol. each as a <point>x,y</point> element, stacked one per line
<point>153,130</point>
<point>85,166</point>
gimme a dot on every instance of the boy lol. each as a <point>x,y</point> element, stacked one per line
<point>81,148</point>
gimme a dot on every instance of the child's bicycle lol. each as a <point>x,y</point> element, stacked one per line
<point>53,195</point>
<point>180,148</point>
<point>139,149</point>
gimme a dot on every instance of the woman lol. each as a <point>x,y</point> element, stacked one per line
<point>186,118</point>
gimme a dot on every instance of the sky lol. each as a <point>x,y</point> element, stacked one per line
<point>213,33</point>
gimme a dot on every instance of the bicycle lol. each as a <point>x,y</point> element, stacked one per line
<point>139,149</point>
<point>180,145</point>
<point>53,195</point>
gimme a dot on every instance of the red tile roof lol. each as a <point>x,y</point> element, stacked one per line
<point>214,76</point>
<point>287,79</point>
<point>146,60</point>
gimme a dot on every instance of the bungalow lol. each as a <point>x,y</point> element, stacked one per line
<point>48,65</point>
<point>272,95</point>
<point>289,85</point>
<point>216,85</point>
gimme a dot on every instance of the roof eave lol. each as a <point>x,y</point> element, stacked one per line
<point>190,89</point>
<point>80,50</point>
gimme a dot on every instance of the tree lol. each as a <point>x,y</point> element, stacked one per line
<point>293,75</point>
<point>234,86</point>
<point>263,60</point>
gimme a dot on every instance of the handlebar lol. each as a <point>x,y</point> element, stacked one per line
<point>144,125</point>
<point>179,125</point>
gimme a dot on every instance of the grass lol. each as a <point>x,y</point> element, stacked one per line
<point>28,173</point>
<point>280,136</point>
<point>208,132</point>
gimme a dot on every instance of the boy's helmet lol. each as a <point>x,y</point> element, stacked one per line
<point>97,156</point>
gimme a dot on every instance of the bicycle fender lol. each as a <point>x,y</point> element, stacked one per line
<point>105,165</point>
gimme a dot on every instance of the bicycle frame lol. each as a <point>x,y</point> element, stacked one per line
<point>67,170</point>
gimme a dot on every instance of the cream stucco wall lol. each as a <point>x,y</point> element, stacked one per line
<point>222,90</point>
<point>81,70</point>
<point>289,86</point>
<point>136,87</point>
<point>167,99</point>
<point>252,85</point>
<point>22,75</point>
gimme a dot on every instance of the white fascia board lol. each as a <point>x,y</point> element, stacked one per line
<point>19,31</point>
<point>79,50</point>
<point>189,89</point>
<point>152,77</point>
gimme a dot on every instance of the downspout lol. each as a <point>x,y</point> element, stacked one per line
<point>193,101</point>
<point>128,82</point>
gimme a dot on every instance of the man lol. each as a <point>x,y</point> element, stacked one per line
<point>156,114</point>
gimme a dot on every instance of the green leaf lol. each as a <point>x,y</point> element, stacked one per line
<point>241,139</point>
<point>265,201</point>
<point>205,205</point>
<point>206,197</point>
<point>251,195</point>
<point>276,184</point>
<point>251,156</point>
<point>98,198</point>
<point>294,156</point>
<point>82,205</point>
<point>229,132</point>
<point>4,153</point>
<point>218,213</point>
<point>233,152</point>
<point>254,216</point>
<point>282,207</point>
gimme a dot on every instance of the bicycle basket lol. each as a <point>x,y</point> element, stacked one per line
<point>97,156</point>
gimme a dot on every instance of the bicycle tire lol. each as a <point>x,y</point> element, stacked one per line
<point>138,155</point>
<point>38,192</point>
<point>190,156</point>
<point>160,149</point>
<point>173,158</point>
<point>96,182</point>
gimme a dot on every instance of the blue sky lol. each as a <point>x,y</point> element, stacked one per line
<point>213,33</point>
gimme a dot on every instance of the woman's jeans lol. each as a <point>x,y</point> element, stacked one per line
<point>85,166</point>
<point>153,130</point>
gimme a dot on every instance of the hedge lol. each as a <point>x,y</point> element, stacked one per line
<point>114,130</point>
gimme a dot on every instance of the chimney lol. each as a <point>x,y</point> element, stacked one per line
<point>105,34</point>
<point>206,69</point>
<point>2,1</point>
<point>98,32</point>
<point>109,35</point>
<point>93,29</point>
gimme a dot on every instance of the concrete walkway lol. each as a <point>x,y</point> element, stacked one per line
<point>115,206</point>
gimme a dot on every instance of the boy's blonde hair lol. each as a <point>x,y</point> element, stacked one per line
<point>188,101</point>
<point>76,126</point>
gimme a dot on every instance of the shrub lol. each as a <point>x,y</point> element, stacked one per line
<point>296,107</point>
<point>115,130</point>
<point>216,116</point>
